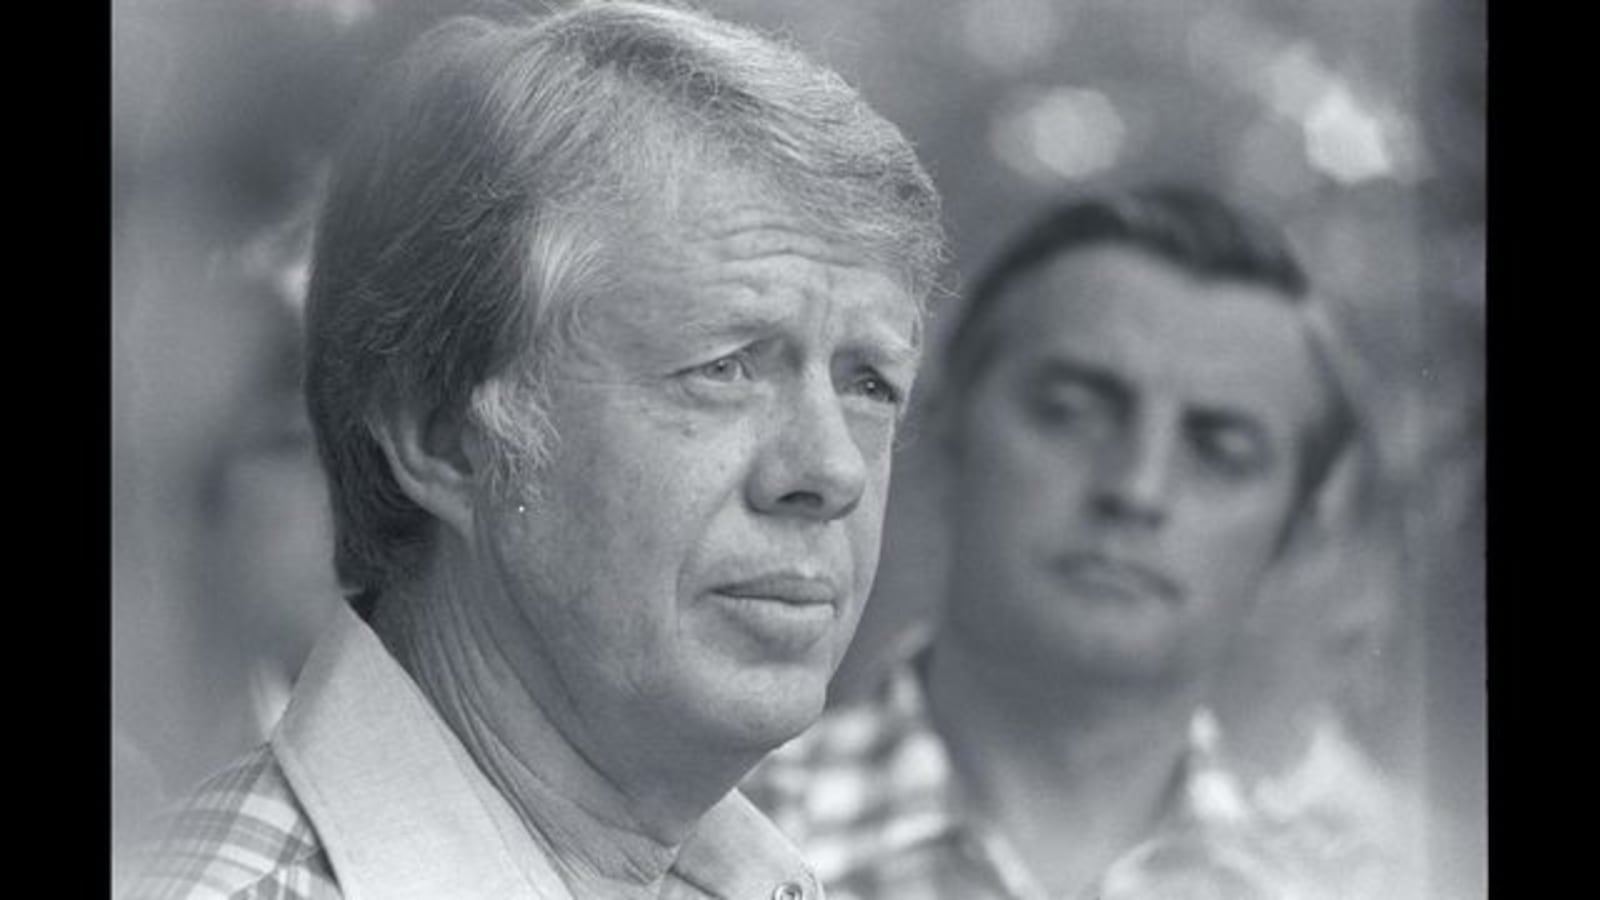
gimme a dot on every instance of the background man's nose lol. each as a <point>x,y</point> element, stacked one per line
<point>1136,480</point>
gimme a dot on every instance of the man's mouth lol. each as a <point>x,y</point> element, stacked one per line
<point>1126,578</point>
<point>786,612</point>
<point>790,588</point>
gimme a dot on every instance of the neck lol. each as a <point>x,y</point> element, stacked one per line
<point>1072,771</point>
<point>607,836</point>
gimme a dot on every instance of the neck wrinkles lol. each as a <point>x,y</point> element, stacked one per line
<point>571,809</point>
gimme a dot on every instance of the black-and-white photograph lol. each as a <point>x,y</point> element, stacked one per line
<point>798,449</point>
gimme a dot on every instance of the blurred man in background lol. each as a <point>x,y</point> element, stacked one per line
<point>1142,423</point>
<point>613,315</point>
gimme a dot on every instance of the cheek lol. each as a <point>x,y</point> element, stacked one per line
<point>602,526</point>
<point>674,503</point>
<point>1012,482</point>
<point>999,443</point>
<point>1234,546</point>
<point>865,528</point>
<point>661,472</point>
<point>657,516</point>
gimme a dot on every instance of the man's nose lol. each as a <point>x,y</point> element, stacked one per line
<point>1136,474</point>
<point>811,466</point>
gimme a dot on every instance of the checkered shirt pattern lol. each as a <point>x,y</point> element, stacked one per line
<point>240,836</point>
<point>861,784</point>
<point>868,795</point>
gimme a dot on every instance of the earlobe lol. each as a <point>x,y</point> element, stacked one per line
<point>430,460</point>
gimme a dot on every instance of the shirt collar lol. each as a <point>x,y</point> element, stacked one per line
<point>1206,793</point>
<point>369,760</point>
<point>737,852</point>
<point>1207,790</point>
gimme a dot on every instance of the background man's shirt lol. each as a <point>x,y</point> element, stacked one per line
<point>869,796</point>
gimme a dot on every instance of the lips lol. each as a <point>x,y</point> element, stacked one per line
<point>1104,574</point>
<point>782,615</point>
<point>793,589</point>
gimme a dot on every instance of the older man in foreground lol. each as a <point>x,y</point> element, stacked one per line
<point>613,316</point>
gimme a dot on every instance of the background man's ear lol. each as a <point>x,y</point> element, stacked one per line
<point>1328,511</point>
<point>1310,540</point>
<point>430,456</point>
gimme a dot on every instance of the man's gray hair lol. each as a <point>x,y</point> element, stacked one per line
<point>493,169</point>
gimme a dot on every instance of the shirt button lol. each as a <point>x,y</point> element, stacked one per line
<point>788,891</point>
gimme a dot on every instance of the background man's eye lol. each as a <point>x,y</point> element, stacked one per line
<point>1233,449</point>
<point>1068,405</point>
<point>1064,409</point>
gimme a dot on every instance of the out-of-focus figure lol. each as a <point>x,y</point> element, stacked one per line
<point>1145,422</point>
<point>221,572</point>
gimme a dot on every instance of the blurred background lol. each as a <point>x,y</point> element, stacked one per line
<point>1359,124</point>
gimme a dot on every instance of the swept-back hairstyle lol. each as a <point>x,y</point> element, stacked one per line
<point>1192,229</point>
<point>489,177</point>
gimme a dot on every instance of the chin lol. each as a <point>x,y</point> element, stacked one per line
<point>1047,653</point>
<point>1127,665</point>
<point>757,714</point>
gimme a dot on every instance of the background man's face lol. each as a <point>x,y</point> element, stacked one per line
<point>699,551</point>
<point>1126,465</point>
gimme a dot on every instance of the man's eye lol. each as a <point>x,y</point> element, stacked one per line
<point>875,387</point>
<point>1232,449</point>
<point>730,368</point>
<point>1064,405</point>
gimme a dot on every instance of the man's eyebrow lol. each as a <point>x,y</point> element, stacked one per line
<point>734,319</point>
<point>1100,380</point>
<point>883,347</point>
<point>746,319</point>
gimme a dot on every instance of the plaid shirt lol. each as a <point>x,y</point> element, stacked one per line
<point>869,796</point>
<point>241,835</point>
<point>364,793</point>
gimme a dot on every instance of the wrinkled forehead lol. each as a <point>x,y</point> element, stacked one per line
<point>719,222</point>
<point>716,208</point>
<point>727,220</point>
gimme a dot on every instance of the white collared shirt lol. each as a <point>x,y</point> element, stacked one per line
<point>364,793</point>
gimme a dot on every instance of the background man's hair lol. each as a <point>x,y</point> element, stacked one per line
<point>1187,227</point>
<point>495,168</point>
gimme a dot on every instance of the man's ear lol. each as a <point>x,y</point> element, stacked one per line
<point>430,456</point>
<point>1324,513</point>
<point>1332,506</point>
